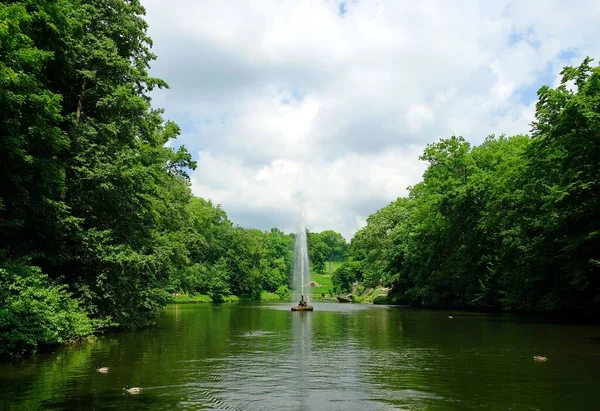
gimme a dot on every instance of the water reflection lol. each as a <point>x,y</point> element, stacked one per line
<point>347,357</point>
<point>300,377</point>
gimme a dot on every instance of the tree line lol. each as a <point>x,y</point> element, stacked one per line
<point>98,225</point>
<point>325,247</point>
<point>510,224</point>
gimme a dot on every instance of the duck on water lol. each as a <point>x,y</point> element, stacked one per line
<point>132,390</point>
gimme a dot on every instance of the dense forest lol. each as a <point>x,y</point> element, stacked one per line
<point>98,225</point>
<point>513,223</point>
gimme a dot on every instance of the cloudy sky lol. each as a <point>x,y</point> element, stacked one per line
<point>326,105</point>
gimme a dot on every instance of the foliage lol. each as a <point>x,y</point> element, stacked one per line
<point>563,187</point>
<point>343,278</point>
<point>509,224</point>
<point>99,228</point>
<point>324,282</point>
<point>324,247</point>
<point>34,310</point>
<point>269,296</point>
<point>283,292</point>
<point>222,259</point>
<point>94,197</point>
<point>192,299</point>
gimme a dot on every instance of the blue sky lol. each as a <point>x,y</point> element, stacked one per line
<point>326,105</point>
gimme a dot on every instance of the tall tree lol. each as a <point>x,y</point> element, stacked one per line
<point>32,144</point>
<point>564,186</point>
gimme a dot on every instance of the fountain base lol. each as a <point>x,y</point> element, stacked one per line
<point>302,305</point>
<point>302,308</point>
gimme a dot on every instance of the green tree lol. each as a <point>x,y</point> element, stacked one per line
<point>217,283</point>
<point>317,251</point>
<point>563,184</point>
<point>325,247</point>
<point>337,247</point>
<point>508,224</point>
<point>32,217</point>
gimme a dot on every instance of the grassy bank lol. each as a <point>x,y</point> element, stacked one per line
<point>325,284</point>
<point>324,281</point>
<point>205,299</point>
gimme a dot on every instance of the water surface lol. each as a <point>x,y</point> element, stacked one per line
<point>339,357</point>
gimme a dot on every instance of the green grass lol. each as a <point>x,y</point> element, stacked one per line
<point>323,279</point>
<point>326,284</point>
<point>191,299</point>
<point>205,299</point>
<point>266,296</point>
<point>330,267</point>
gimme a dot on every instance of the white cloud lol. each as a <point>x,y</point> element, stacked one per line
<point>289,104</point>
<point>337,193</point>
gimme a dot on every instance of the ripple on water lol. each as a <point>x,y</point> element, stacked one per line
<point>339,357</point>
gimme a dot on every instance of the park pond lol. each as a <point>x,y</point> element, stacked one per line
<point>339,357</point>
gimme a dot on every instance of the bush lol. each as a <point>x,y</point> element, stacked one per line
<point>283,292</point>
<point>345,276</point>
<point>267,296</point>
<point>36,311</point>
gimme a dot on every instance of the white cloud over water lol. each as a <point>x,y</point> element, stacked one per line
<point>311,104</point>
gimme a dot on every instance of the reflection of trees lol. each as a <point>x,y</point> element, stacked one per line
<point>205,356</point>
<point>44,378</point>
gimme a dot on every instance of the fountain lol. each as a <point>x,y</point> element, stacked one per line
<point>301,269</point>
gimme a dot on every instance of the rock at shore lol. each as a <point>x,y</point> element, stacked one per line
<point>347,298</point>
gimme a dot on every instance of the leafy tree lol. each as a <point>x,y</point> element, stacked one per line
<point>337,247</point>
<point>325,247</point>
<point>93,198</point>
<point>508,224</point>
<point>344,277</point>
<point>36,311</point>
<point>217,285</point>
<point>278,260</point>
<point>32,217</point>
<point>563,186</point>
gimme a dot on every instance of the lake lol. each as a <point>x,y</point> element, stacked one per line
<point>339,357</point>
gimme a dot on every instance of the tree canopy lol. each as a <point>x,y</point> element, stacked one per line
<point>512,223</point>
<point>98,224</point>
<point>324,247</point>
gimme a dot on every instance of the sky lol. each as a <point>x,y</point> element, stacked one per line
<point>326,105</point>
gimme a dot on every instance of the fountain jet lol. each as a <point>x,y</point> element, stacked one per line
<point>301,277</point>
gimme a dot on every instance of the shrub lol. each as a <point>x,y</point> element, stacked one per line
<point>283,292</point>
<point>36,311</point>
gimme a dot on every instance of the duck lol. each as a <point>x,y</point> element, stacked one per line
<point>132,390</point>
<point>539,358</point>
<point>102,370</point>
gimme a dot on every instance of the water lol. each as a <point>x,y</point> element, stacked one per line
<point>339,357</point>
<point>301,276</point>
